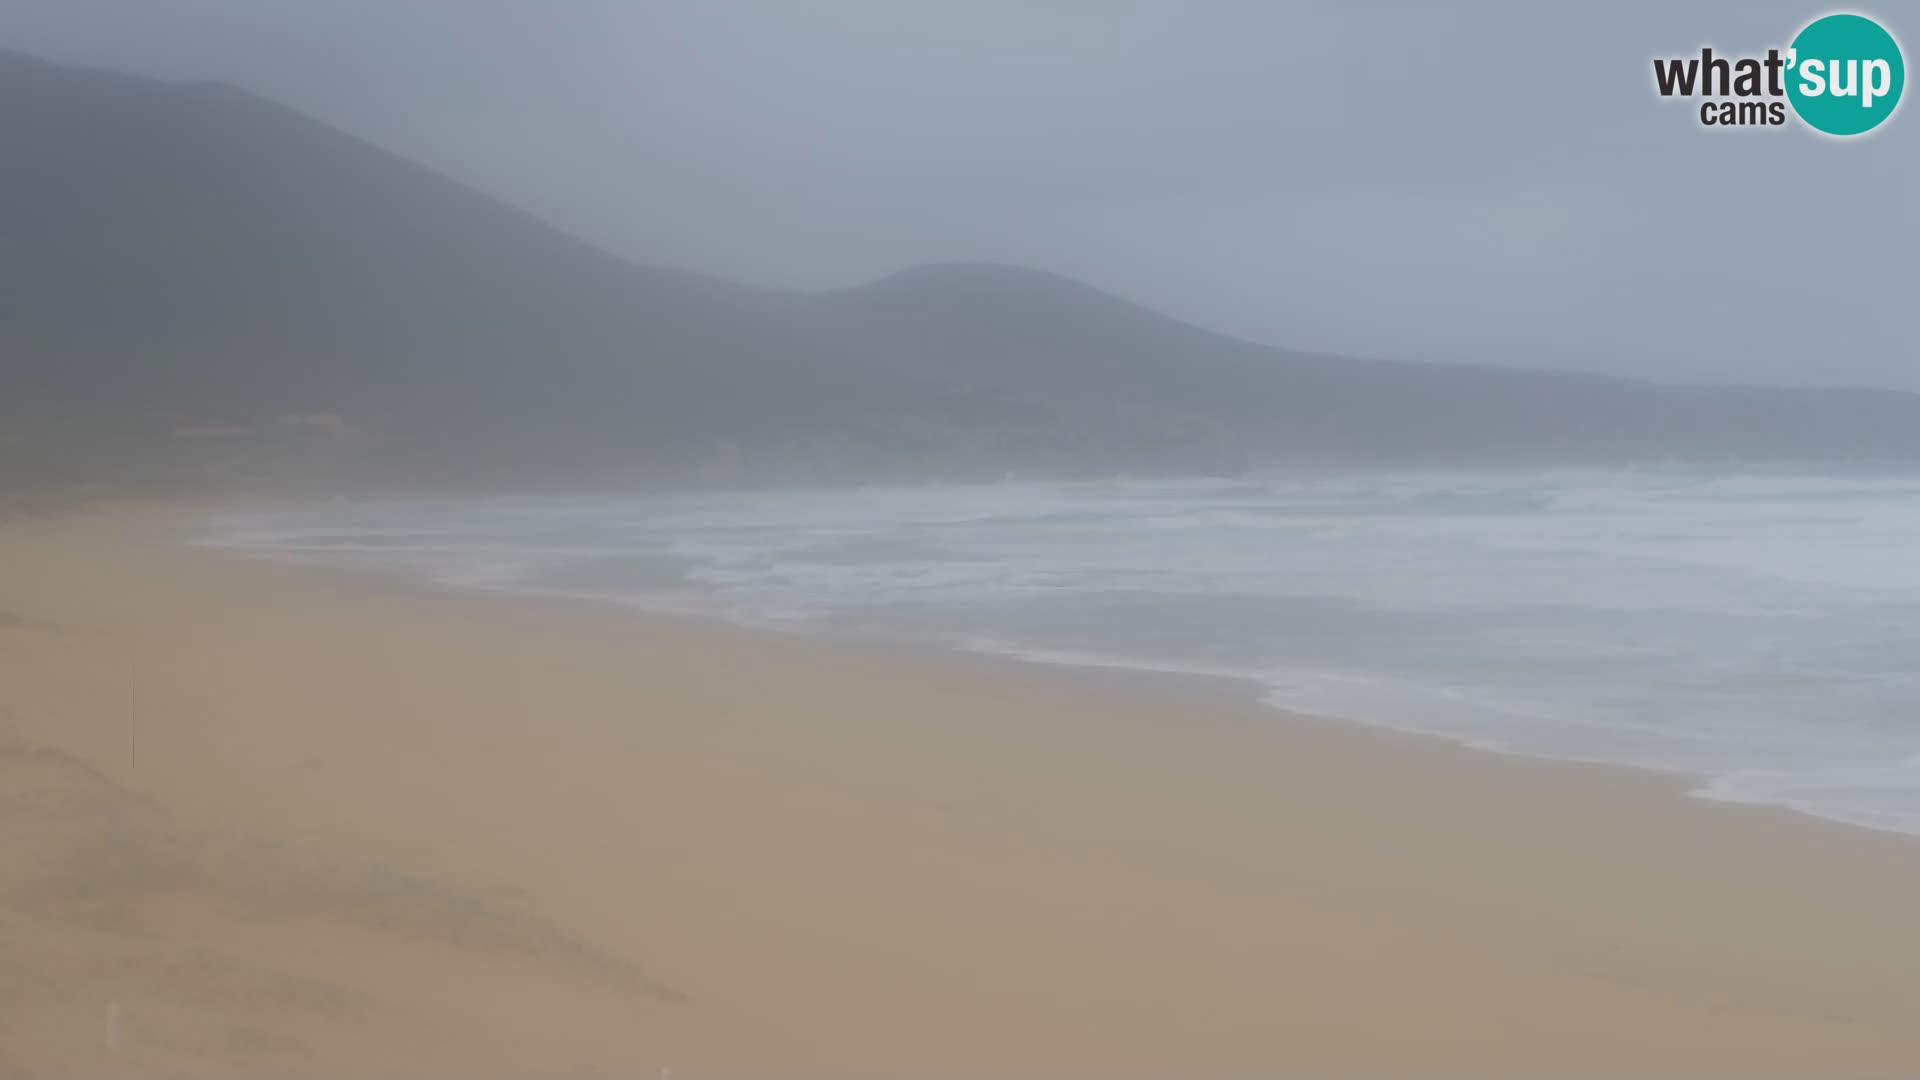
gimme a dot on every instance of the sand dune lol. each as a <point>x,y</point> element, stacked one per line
<point>368,829</point>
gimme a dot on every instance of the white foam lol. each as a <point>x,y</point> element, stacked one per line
<point>1758,628</point>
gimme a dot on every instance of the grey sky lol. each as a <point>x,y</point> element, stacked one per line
<point>1428,181</point>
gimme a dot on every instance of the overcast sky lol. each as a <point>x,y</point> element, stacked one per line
<point>1428,181</point>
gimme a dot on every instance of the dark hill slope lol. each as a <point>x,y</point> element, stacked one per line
<point>197,282</point>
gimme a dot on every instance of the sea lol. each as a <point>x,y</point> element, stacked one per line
<point>1755,628</point>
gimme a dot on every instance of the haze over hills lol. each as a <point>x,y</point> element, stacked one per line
<point>222,290</point>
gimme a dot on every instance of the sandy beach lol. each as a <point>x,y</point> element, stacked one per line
<point>265,820</point>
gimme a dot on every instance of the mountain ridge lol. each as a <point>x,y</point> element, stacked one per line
<point>200,287</point>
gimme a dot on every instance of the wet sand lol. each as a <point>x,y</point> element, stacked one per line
<point>257,819</point>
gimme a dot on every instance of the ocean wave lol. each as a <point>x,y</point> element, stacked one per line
<point>1757,629</point>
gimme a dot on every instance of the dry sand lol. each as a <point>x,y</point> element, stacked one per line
<point>375,830</point>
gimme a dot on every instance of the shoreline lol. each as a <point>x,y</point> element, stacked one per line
<point>380,828</point>
<point>1196,686</point>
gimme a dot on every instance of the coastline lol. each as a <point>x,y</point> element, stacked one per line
<point>421,830</point>
<point>1535,627</point>
<point>1192,683</point>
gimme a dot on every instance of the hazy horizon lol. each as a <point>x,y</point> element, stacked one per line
<point>1505,189</point>
<point>847,538</point>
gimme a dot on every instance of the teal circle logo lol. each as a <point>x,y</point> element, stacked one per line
<point>1845,74</point>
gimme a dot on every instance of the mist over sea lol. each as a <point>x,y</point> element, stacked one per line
<point>1758,629</point>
